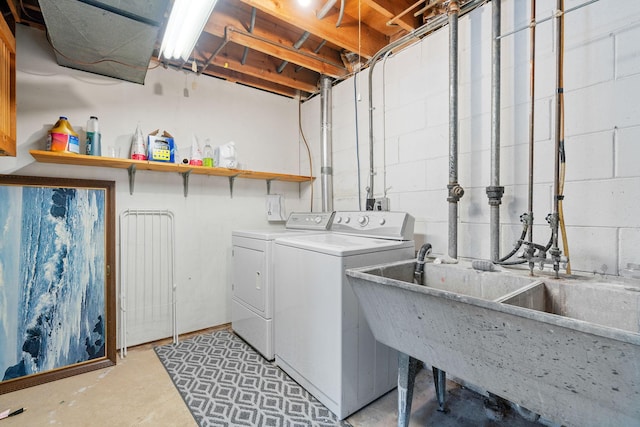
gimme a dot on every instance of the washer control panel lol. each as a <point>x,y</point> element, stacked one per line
<point>309,221</point>
<point>380,224</point>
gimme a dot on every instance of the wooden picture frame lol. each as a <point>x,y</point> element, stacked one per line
<point>57,279</point>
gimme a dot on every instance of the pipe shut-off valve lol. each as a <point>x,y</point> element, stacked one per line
<point>455,192</point>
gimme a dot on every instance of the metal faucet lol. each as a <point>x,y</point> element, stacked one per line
<point>422,254</point>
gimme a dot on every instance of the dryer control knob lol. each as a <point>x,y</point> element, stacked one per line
<point>318,219</point>
<point>363,220</point>
<point>346,220</point>
<point>382,221</point>
<point>339,219</point>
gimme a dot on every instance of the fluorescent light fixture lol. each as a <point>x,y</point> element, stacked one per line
<point>186,22</point>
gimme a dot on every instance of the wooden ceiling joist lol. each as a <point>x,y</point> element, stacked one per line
<point>251,41</point>
<point>351,35</point>
<point>236,77</point>
<point>229,24</point>
<point>285,53</point>
<point>390,9</point>
<point>258,65</point>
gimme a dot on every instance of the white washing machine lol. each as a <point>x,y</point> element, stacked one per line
<point>322,338</point>
<point>252,282</point>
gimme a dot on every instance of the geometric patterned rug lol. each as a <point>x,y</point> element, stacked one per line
<point>225,383</point>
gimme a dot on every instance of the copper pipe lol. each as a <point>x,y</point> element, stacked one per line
<point>560,160</point>
<point>532,70</point>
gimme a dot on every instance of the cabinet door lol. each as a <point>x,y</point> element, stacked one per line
<point>249,277</point>
<point>7,90</point>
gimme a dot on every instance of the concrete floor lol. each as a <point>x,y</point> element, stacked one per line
<point>139,392</point>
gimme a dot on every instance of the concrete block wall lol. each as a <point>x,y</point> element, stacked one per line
<point>602,129</point>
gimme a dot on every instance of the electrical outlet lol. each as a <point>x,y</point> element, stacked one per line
<point>381,204</point>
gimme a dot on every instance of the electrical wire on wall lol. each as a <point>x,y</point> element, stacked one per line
<point>384,124</point>
<point>308,149</point>
<point>355,103</point>
<point>355,88</point>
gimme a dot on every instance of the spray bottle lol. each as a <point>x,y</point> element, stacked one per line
<point>196,154</point>
<point>138,147</point>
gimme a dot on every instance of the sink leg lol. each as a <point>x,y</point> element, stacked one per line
<point>407,367</point>
<point>440,381</point>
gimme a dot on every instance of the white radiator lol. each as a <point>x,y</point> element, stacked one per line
<point>147,277</point>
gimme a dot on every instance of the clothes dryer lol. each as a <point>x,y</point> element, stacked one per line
<point>252,277</point>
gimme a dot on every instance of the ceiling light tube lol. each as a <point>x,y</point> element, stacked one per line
<point>186,22</point>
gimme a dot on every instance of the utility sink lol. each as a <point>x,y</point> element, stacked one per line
<point>567,349</point>
<point>611,304</point>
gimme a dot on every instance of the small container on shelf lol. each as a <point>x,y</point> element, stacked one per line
<point>93,147</point>
<point>196,155</point>
<point>207,156</point>
<point>138,146</point>
<point>63,138</point>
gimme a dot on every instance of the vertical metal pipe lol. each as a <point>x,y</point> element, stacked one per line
<point>407,367</point>
<point>432,25</point>
<point>495,191</point>
<point>372,171</point>
<point>532,79</point>
<point>453,128</point>
<point>326,144</point>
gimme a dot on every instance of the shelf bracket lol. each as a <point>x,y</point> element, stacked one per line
<point>185,181</point>
<point>269,186</point>
<point>131,170</point>
<point>231,180</point>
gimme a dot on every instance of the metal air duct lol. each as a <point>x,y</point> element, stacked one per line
<point>114,38</point>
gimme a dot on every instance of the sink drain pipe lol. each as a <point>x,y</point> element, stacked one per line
<point>326,140</point>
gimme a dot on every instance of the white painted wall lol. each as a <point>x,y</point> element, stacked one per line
<point>263,126</point>
<point>602,88</point>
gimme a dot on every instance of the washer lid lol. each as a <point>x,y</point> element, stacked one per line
<point>342,244</point>
<point>267,234</point>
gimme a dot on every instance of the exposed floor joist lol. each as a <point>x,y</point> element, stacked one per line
<point>281,47</point>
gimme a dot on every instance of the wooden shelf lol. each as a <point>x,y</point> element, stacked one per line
<point>185,170</point>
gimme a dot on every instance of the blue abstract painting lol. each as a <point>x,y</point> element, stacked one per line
<point>52,278</point>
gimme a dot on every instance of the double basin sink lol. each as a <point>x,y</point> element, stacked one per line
<point>567,349</point>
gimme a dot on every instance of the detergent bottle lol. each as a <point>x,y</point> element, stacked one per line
<point>62,137</point>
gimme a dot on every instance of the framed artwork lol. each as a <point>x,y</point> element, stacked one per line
<point>57,283</point>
